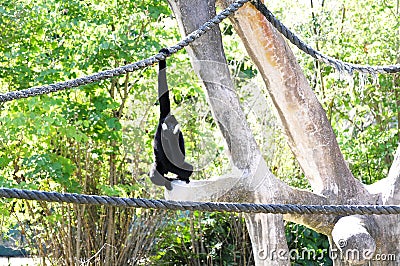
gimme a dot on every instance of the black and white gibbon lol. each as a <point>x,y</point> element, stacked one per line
<point>169,146</point>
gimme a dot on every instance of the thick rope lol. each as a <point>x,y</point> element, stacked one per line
<point>338,64</point>
<point>45,89</point>
<point>200,206</point>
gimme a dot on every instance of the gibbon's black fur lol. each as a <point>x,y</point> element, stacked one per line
<point>169,146</point>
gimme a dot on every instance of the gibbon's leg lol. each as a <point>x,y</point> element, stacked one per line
<point>158,179</point>
<point>185,172</point>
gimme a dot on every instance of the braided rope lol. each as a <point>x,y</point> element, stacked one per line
<point>338,64</point>
<point>45,89</point>
<point>200,206</point>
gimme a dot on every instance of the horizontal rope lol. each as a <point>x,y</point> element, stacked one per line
<point>107,74</point>
<point>199,206</point>
<point>338,64</point>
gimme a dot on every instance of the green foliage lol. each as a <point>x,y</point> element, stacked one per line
<point>196,238</point>
<point>97,139</point>
<point>71,141</point>
<point>362,109</point>
<point>311,248</point>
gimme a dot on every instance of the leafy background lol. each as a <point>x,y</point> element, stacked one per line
<point>97,139</point>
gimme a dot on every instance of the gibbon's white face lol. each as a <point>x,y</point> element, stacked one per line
<point>177,127</point>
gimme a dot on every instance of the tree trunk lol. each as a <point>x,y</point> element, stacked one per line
<point>209,62</point>
<point>355,240</point>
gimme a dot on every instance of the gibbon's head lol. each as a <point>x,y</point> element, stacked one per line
<point>171,124</point>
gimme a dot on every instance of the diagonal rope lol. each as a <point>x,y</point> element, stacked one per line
<point>338,64</point>
<point>45,89</point>
<point>200,206</point>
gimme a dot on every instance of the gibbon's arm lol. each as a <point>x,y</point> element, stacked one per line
<point>163,92</point>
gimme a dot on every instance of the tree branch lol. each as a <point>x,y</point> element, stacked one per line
<point>389,188</point>
<point>352,238</point>
<point>310,135</point>
<point>263,188</point>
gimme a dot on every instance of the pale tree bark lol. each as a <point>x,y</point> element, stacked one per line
<point>310,137</point>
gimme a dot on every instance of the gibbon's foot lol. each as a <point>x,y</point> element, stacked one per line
<point>183,179</point>
<point>178,179</point>
<point>159,180</point>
